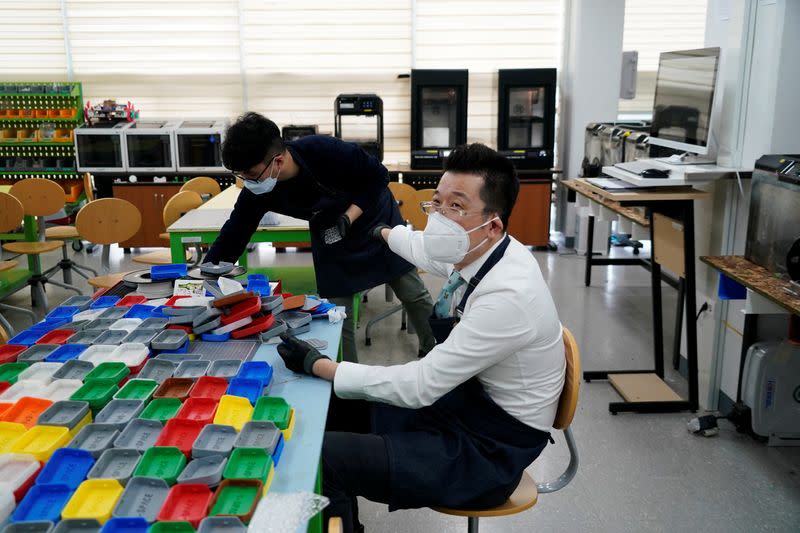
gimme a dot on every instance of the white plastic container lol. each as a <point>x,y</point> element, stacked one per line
<point>132,354</point>
<point>62,389</point>
<point>127,324</point>
<point>19,389</point>
<point>16,469</point>
<point>98,353</point>
<point>89,314</point>
<point>7,502</point>
<point>233,325</point>
<point>42,372</point>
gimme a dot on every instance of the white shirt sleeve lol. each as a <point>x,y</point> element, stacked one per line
<point>408,245</point>
<point>493,329</point>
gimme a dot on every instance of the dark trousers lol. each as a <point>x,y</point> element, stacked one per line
<point>354,461</point>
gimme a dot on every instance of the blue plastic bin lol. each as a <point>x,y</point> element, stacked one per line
<point>65,352</point>
<point>142,311</point>
<point>133,524</point>
<point>246,388</point>
<point>67,466</point>
<point>42,503</point>
<point>730,289</point>
<point>63,311</point>
<point>260,370</point>
<point>160,272</point>
<point>104,301</point>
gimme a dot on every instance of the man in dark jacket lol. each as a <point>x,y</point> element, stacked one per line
<point>342,192</point>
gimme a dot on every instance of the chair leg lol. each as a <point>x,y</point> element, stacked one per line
<point>472,524</point>
<point>371,323</point>
<point>6,326</point>
<point>65,286</point>
<point>28,312</point>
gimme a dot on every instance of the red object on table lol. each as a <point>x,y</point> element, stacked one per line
<point>180,433</point>
<point>174,388</point>
<point>186,502</point>
<point>171,301</point>
<point>210,387</point>
<point>180,327</point>
<point>9,352</point>
<point>130,300</point>
<point>198,409</point>
<point>294,302</point>
<point>99,292</point>
<point>22,490</point>
<point>243,309</point>
<point>262,323</point>
<point>56,336</point>
<point>4,385</point>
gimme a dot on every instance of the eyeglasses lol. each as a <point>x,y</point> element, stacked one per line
<point>430,208</point>
<point>257,178</point>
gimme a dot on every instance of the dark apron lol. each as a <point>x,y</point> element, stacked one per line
<point>464,451</point>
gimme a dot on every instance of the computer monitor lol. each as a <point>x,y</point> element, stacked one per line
<point>684,100</point>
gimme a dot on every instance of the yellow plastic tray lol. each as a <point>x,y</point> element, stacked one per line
<point>10,432</point>
<point>41,441</point>
<point>287,433</point>
<point>84,421</point>
<point>268,482</point>
<point>233,411</point>
<point>95,498</point>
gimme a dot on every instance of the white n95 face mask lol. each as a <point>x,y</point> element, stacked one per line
<point>261,187</point>
<point>446,240</point>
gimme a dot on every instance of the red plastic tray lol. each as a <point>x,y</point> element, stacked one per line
<point>198,409</point>
<point>262,323</point>
<point>186,502</point>
<point>187,329</point>
<point>130,300</point>
<point>243,309</point>
<point>4,385</point>
<point>171,301</point>
<point>9,352</point>
<point>180,433</point>
<point>22,490</point>
<point>209,387</point>
<point>294,302</point>
<point>57,336</point>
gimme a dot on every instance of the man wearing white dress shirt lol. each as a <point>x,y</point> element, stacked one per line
<point>457,428</point>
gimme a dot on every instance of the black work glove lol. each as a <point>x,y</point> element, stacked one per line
<point>375,232</point>
<point>299,356</point>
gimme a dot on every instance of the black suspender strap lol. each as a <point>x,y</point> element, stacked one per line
<point>493,259</point>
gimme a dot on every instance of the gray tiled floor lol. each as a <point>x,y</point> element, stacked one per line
<point>637,472</point>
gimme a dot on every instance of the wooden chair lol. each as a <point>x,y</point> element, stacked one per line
<point>527,492</point>
<point>39,198</point>
<point>420,219</point>
<point>335,525</point>
<point>206,187</point>
<point>176,207</point>
<point>105,222</point>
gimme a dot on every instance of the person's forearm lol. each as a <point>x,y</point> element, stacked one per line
<point>353,212</point>
<point>325,369</point>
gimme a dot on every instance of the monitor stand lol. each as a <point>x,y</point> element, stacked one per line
<point>686,158</point>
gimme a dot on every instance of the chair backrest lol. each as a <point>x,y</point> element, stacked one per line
<point>404,195</point>
<point>39,197</point>
<point>108,221</point>
<point>3,335</point>
<point>568,401</point>
<point>11,212</point>
<point>202,185</point>
<point>88,186</point>
<point>179,205</point>
<point>420,219</point>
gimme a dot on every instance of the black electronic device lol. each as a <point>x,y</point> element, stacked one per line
<point>293,132</point>
<point>438,115</point>
<point>368,108</point>
<point>655,173</point>
<point>526,116</point>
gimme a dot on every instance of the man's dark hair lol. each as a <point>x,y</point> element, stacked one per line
<point>500,181</point>
<point>250,140</point>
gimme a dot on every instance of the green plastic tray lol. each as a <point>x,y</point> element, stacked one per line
<point>137,389</point>
<point>248,463</point>
<point>10,371</point>
<point>172,527</point>
<point>163,462</point>
<point>272,409</point>
<point>97,392</point>
<point>110,370</point>
<point>237,497</point>
<point>161,409</point>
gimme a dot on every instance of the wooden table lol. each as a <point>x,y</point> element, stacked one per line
<point>670,217</point>
<point>204,224</point>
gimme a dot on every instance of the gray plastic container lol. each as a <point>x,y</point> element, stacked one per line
<point>119,412</point>
<point>36,353</point>
<point>95,438</point>
<point>178,358</point>
<point>78,525</point>
<point>205,316</point>
<point>298,331</point>
<point>270,304</point>
<point>111,337</point>
<point>221,524</point>
<point>157,370</point>
<point>143,336</point>
<point>169,339</point>
<point>259,434</point>
<point>154,322</point>
<point>113,312</point>
<point>214,323</point>
<point>143,496</point>
<point>73,369</point>
<point>214,439</point>
<point>296,319</point>
<point>85,336</point>
<point>204,470</point>
<point>191,311</point>
<point>77,325</point>
<point>37,526</point>
<point>278,328</point>
<point>191,369</point>
<point>66,413</point>
<point>101,323</point>
<point>139,435</point>
<point>216,269</point>
<point>115,463</point>
<point>79,301</point>
<point>224,368</point>
<point>184,320</point>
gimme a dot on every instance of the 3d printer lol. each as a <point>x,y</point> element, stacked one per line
<point>438,115</point>
<point>368,108</point>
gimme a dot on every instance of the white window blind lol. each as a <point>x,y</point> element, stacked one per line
<point>32,41</point>
<point>655,26</point>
